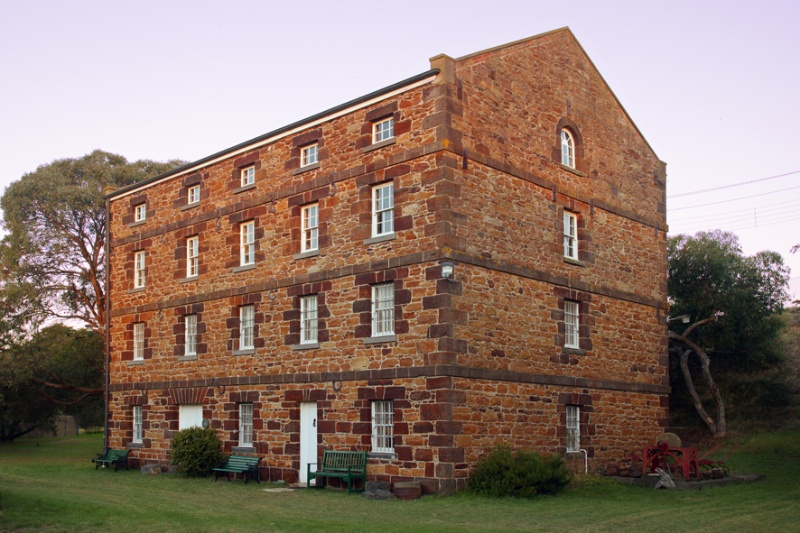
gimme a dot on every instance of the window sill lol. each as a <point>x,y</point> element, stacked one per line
<point>382,455</point>
<point>244,188</point>
<point>573,351</point>
<point>137,289</point>
<point>137,223</point>
<point>244,268</point>
<point>573,170</point>
<point>192,357</point>
<point>381,144</point>
<point>575,262</point>
<point>381,238</point>
<point>137,362</point>
<point>187,280</point>
<point>243,449</point>
<point>307,346</point>
<point>381,339</point>
<point>190,206</point>
<point>303,255</point>
<point>135,445</point>
<point>246,351</point>
<point>306,168</point>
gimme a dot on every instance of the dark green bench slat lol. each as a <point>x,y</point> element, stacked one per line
<point>240,464</point>
<point>345,465</point>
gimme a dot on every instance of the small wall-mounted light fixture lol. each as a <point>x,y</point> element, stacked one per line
<point>683,318</point>
<point>448,270</point>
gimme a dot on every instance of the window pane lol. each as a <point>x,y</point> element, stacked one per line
<point>247,243</point>
<point>383,209</point>
<point>246,424</point>
<point>192,256</point>
<point>310,228</point>
<point>246,327</point>
<point>573,428</point>
<point>308,319</point>
<point>382,426</point>
<point>137,424</point>
<point>138,341</point>
<point>570,236</point>
<point>190,415</point>
<point>571,324</point>
<point>191,335</point>
<point>383,309</point>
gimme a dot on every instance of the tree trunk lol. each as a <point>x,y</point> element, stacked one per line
<point>719,428</point>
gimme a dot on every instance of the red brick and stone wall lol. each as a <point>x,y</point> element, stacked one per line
<point>478,359</point>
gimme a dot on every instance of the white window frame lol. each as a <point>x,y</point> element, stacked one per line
<point>573,420</point>
<point>383,426</point>
<point>309,155</point>
<point>246,327</point>
<point>139,212</point>
<point>190,335</point>
<point>571,324</point>
<point>190,415</point>
<point>383,130</point>
<point>247,246</point>
<point>192,256</point>
<point>139,269</point>
<point>383,209</point>
<point>310,233</point>
<point>248,176</point>
<point>138,431</point>
<point>308,319</point>
<point>383,309</point>
<point>246,425</point>
<point>570,235</point>
<point>138,341</point>
<point>193,194</point>
<point>567,148</point>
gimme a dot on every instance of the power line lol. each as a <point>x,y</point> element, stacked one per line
<point>734,214</point>
<point>732,185</point>
<point>735,199</point>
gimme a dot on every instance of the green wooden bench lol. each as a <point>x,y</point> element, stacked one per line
<point>118,458</point>
<point>239,464</point>
<point>348,466</point>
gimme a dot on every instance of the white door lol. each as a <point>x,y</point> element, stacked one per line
<point>308,439</point>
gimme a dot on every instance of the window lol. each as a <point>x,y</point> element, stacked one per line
<point>190,415</point>
<point>190,345</point>
<point>246,425</point>
<point>383,209</point>
<point>570,235</point>
<point>138,270</point>
<point>138,341</point>
<point>310,239</point>
<point>308,319</point>
<point>248,176</point>
<point>308,155</point>
<point>194,194</point>
<point>383,309</point>
<point>382,426</point>
<point>573,428</point>
<point>383,130</point>
<point>140,212</point>
<point>567,148</point>
<point>247,249</point>
<point>571,324</point>
<point>138,432</point>
<point>246,321</point>
<point>192,256</point>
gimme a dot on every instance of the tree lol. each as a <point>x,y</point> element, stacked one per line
<point>733,302</point>
<point>55,219</point>
<point>53,256</point>
<point>53,371</point>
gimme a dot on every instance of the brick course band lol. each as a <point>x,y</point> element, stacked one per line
<point>401,373</point>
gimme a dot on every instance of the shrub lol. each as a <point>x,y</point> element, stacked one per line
<point>195,451</point>
<point>522,474</point>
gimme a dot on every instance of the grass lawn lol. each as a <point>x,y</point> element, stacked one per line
<point>51,485</point>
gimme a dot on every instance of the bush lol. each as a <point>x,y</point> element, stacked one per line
<point>195,451</point>
<point>522,474</point>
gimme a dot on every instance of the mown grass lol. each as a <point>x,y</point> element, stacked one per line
<point>50,485</point>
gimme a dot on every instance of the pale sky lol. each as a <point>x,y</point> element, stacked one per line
<point>714,86</point>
